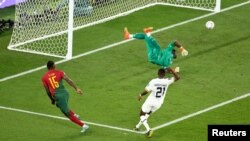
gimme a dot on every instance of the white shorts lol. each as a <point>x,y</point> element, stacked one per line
<point>150,106</point>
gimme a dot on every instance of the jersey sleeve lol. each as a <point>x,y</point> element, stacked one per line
<point>170,80</point>
<point>44,81</point>
<point>61,74</point>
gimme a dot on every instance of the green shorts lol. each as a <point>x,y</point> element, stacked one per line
<point>62,98</point>
<point>158,56</point>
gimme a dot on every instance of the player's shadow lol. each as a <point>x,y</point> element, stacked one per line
<point>77,135</point>
<point>215,48</point>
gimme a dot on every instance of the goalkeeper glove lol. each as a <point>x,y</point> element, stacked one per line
<point>177,69</point>
<point>184,52</point>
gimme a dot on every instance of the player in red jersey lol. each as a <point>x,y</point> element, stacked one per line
<point>53,84</point>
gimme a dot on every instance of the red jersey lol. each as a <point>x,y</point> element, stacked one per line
<point>52,79</point>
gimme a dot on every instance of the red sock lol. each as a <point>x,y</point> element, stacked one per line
<point>76,120</point>
<point>71,113</point>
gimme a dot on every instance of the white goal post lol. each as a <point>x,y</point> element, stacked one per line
<point>46,26</point>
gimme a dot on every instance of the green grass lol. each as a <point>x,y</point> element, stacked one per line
<point>215,71</point>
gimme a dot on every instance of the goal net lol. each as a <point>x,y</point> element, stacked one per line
<point>46,26</point>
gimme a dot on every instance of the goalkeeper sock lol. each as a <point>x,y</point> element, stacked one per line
<point>139,36</point>
<point>148,34</point>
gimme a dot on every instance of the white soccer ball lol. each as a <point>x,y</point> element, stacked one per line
<point>210,24</point>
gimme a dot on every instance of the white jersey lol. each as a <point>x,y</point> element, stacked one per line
<point>158,88</point>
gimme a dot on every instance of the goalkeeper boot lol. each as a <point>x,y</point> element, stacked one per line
<point>148,30</point>
<point>126,33</point>
<point>84,128</point>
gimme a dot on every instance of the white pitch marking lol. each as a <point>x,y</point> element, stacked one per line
<point>201,111</point>
<point>63,118</point>
<point>122,42</point>
<point>129,130</point>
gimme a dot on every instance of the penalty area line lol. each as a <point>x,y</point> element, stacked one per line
<point>123,42</point>
<point>63,118</point>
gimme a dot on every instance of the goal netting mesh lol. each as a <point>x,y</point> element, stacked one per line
<point>41,26</point>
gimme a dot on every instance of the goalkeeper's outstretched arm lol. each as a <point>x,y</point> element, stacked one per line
<point>177,44</point>
<point>183,51</point>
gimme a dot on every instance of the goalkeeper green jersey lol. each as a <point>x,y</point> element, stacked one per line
<point>156,55</point>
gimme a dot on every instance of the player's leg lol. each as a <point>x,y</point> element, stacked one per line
<point>62,104</point>
<point>142,36</point>
<point>150,41</point>
<point>153,48</point>
<point>75,118</point>
<point>155,105</point>
<point>144,114</point>
<point>143,117</point>
<point>139,36</point>
<point>74,114</point>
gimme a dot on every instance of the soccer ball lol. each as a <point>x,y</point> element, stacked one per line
<point>210,25</point>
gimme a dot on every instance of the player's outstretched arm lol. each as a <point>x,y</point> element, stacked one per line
<point>72,84</point>
<point>142,94</point>
<point>176,76</point>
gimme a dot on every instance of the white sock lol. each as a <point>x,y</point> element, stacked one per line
<point>144,121</point>
<point>142,118</point>
<point>130,36</point>
<point>148,34</point>
<point>139,124</point>
<point>147,115</point>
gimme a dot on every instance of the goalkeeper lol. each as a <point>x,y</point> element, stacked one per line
<point>156,55</point>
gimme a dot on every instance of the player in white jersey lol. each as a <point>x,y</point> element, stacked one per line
<point>157,88</point>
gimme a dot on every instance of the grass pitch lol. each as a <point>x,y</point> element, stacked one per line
<point>215,71</point>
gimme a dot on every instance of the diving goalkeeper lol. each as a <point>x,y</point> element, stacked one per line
<point>156,55</point>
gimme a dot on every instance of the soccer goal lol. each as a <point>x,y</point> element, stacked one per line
<point>46,26</point>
